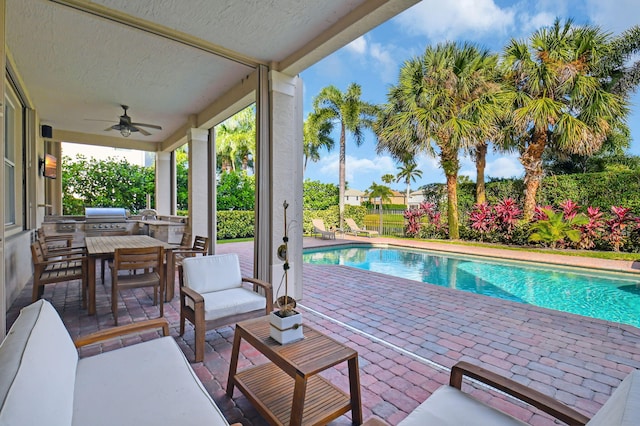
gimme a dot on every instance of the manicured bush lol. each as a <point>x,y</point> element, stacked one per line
<point>235,224</point>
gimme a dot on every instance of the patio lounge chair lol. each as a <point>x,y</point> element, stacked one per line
<point>319,229</point>
<point>356,230</point>
<point>449,405</point>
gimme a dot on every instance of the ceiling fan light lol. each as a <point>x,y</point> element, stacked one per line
<point>125,131</point>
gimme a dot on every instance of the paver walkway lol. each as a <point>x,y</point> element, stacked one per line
<point>407,335</point>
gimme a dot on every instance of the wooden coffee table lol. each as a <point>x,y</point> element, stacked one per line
<point>288,390</point>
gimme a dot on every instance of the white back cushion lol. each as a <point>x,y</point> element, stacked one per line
<point>623,406</point>
<point>206,274</point>
<point>38,367</point>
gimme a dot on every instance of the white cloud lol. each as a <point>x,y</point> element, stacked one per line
<point>386,65</point>
<point>358,46</point>
<point>442,20</point>
<point>615,16</point>
<point>507,166</point>
<point>359,172</point>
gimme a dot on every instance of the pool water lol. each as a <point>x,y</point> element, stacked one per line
<point>607,296</point>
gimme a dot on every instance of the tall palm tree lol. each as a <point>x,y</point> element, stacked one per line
<point>382,193</point>
<point>352,115</point>
<point>408,172</point>
<point>316,135</point>
<point>236,139</point>
<point>558,102</point>
<point>441,98</point>
<point>388,178</point>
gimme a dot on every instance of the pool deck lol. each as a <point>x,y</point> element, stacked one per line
<point>407,335</point>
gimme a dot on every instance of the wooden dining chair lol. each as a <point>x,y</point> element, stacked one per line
<point>48,271</point>
<point>128,260</point>
<point>105,261</point>
<point>200,247</point>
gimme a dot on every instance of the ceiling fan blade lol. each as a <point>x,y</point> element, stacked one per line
<point>137,129</point>
<point>114,127</point>
<point>152,126</point>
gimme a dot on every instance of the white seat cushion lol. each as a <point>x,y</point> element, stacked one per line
<point>231,302</point>
<point>623,407</point>
<point>205,274</point>
<point>449,406</point>
<point>37,369</point>
<point>150,383</point>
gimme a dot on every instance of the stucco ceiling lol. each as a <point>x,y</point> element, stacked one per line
<point>78,68</point>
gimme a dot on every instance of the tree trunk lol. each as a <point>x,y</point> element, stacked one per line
<point>408,192</point>
<point>341,173</point>
<point>380,216</point>
<point>452,206</point>
<point>531,160</point>
<point>481,162</point>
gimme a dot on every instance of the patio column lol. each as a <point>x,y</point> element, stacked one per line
<point>165,184</point>
<point>283,158</point>
<point>198,144</point>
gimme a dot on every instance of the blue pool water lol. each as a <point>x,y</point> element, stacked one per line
<point>611,297</point>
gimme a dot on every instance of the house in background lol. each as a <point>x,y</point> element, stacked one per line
<point>416,198</point>
<point>353,197</point>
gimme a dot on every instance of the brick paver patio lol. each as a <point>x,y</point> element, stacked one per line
<point>407,335</point>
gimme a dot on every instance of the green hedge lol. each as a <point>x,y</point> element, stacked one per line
<point>235,224</point>
<point>241,224</point>
<point>601,190</point>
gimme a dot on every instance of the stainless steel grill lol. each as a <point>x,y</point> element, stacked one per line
<point>105,221</point>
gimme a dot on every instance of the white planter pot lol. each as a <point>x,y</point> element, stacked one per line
<point>286,329</point>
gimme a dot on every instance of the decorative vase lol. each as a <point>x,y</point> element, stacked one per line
<point>285,329</point>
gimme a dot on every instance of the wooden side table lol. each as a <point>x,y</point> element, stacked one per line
<point>288,390</point>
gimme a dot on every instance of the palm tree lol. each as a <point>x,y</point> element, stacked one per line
<point>557,100</point>
<point>623,78</point>
<point>388,178</point>
<point>352,114</point>
<point>442,98</point>
<point>316,135</point>
<point>408,172</point>
<point>381,192</point>
<point>236,140</point>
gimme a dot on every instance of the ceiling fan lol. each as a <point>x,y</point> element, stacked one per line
<point>126,127</point>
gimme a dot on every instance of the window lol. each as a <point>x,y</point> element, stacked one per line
<point>13,119</point>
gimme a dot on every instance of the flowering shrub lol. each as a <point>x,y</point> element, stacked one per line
<point>592,230</point>
<point>618,228</point>
<point>414,218</point>
<point>507,214</point>
<point>482,219</point>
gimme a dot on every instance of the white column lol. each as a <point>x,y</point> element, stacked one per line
<point>198,181</point>
<point>286,178</point>
<point>165,184</point>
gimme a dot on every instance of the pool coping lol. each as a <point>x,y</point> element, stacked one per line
<point>620,266</point>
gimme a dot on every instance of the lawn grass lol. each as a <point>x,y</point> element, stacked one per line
<point>610,255</point>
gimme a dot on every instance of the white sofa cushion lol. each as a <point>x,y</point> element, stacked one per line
<point>448,406</point>
<point>150,383</point>
<point>231,302</point>
<point>206,274</point>
<point>38,365</point>
<point>623,406</point>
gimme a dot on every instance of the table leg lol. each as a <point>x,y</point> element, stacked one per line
<point>233,365</point>
<point>170,276</point>
<point>92,285</point>
<point>299,394</point>
<point>354,387</point>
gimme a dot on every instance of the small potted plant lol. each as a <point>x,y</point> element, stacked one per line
<point>286,322</point>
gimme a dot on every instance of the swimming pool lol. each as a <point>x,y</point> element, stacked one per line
<point>608,296</point>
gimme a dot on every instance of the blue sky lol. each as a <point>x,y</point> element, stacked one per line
<point>373,61</point>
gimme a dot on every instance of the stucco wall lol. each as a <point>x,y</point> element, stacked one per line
<point>18,267</point>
